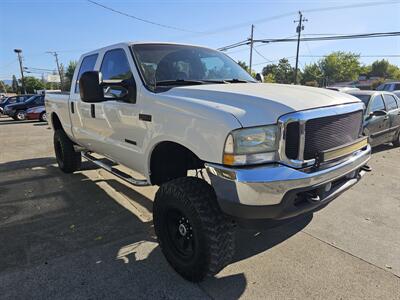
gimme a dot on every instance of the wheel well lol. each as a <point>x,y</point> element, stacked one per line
<point>55,121</point>
<point>170,160</point>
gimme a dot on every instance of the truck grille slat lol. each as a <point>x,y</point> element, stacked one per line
<point>329,132</point>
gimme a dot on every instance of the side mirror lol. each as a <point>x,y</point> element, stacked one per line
<point>90,87</point>
<point>260,77</point>
<point>378,113</point>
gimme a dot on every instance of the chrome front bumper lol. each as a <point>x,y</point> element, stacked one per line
<point>258,188</point>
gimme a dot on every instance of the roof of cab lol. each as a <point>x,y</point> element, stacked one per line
<point>136,43</point>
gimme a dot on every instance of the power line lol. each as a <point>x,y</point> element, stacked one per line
<point>140,19</point>
<point>321,38</point>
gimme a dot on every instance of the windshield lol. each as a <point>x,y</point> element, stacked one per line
<point>363,98</point>
<point>186,64</point>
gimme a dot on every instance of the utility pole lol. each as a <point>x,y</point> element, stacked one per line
<point>58,67</point>
<point>19,51</point>
<point>251,48</point>
<point>299,29</point>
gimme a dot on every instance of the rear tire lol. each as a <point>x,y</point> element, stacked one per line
<point>194,235</point>
<point>396,141</point>
<point>68,160</point>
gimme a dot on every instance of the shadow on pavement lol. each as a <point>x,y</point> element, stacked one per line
<point>8,121</point>
<point>383,147</point>
<point>65,236</point>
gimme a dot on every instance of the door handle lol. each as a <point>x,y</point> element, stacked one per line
<point>72,107</point>
<point>92,111</point>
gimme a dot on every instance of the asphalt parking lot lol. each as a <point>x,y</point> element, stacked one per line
<point>89,235</point>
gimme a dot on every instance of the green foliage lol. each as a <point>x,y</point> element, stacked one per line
<point>312,75</point>
<point>14,84</point>
<point>270,78</point>
<point>340,66</point>
<point>282,72</point>
<point>247,68</point>
<point>32,84</point>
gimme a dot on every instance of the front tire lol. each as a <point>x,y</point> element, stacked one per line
<point>43,117</point>
<point>68,160</point>
<point>194,235</point>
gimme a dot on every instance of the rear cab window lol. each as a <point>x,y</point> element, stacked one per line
<point>88,63</point>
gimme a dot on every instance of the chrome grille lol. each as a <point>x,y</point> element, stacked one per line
<point>305,133</point>
<point>330,132</point>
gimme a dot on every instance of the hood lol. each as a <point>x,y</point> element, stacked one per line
<point>255,104</point>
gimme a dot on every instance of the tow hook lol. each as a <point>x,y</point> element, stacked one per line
<point>366,168</point>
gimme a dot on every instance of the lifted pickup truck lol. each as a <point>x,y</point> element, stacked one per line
<point>258,151</point>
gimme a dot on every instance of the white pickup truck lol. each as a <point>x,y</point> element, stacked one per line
<point>255,151</point>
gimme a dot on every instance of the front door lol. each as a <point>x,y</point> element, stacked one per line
<point>377,126</point>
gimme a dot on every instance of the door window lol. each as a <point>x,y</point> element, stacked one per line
<point>115,66</point>
<point>390,102</point>
<point>377,104</point>
<point>87,64</point>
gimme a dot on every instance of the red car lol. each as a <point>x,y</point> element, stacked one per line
<point>37,113</point>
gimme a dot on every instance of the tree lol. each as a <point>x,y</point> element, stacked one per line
<point>33,84</point>
<point>379,68</point>
<point>340,66</point>
<point>312,75</point>
<point>14,84</point>
<point>282,72</point>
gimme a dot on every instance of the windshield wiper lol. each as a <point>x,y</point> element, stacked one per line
<point>236,80</point>
<point>178,82</point>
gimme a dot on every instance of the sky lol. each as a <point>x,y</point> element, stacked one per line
<point>74,27</point>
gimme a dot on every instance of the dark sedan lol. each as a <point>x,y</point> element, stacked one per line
<point>382,116</point>
<point>17,111</point>
<point>12,100</point>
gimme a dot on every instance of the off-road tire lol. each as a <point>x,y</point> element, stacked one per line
<point>68,160</point>
<point>212,232</point>
<point>396,141</point>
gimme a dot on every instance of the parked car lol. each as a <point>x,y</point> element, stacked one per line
<point>389,86</point>
<point>343,89</point>
<point>12,100</point>
<point>17,111</point>
<point>37,113</point>
<point>382,116</point>
<point>259,151</point>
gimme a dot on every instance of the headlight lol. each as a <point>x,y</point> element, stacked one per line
<point>251,145</point>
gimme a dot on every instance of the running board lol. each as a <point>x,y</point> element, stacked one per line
<point>114,171</point>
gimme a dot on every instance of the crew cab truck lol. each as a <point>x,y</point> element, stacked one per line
<point>259,151</point>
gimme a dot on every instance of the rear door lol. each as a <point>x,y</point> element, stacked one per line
<point>79,111</point>
<point>377,126</point>
<point>393,110</point>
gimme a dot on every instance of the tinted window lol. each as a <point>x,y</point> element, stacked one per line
<point>115,65</point>
<point>377,104</point>
<point>390,102</point>
<point>397,86</point>
<point>87,64</point>
<point>388,87</point>
<point>363,98</point>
